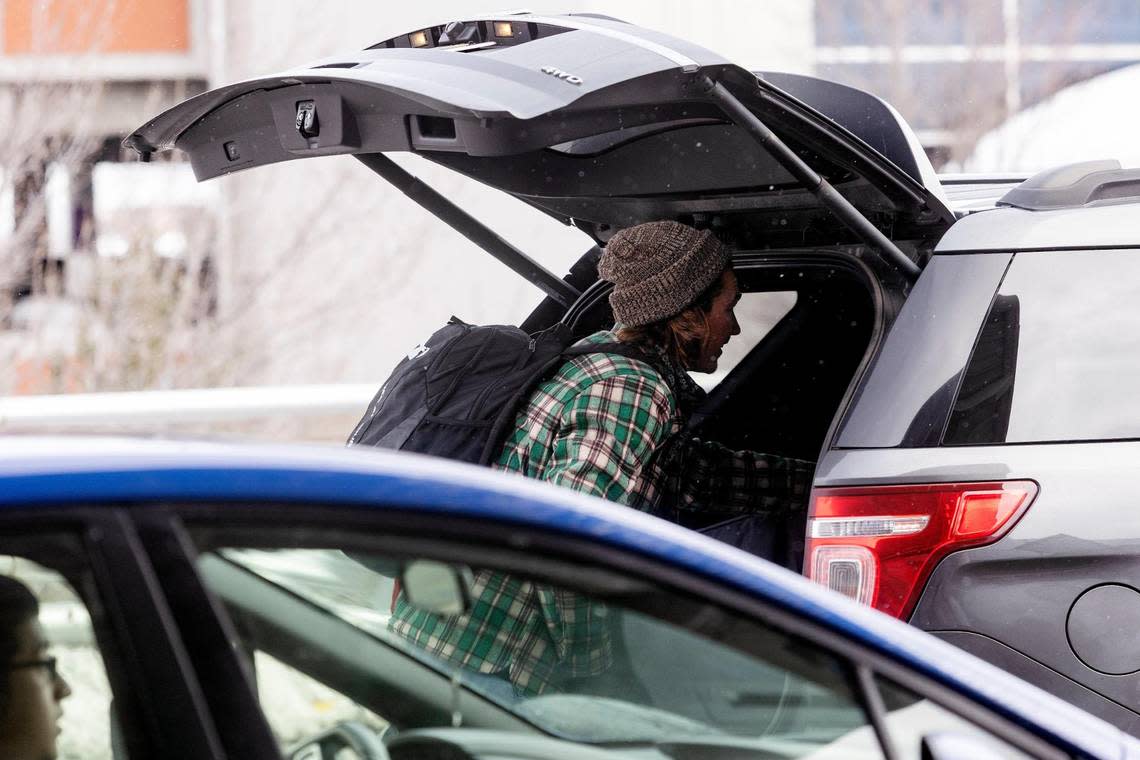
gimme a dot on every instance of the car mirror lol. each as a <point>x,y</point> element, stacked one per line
<point>437,587</point>
<point>949,745</point>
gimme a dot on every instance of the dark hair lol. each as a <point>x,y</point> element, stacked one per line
<point>17,606</point>
<point>680,335</point>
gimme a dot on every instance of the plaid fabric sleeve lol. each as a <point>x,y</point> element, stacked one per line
<point>708,475</point>
<point>607,434</point>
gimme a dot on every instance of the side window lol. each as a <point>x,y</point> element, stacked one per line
<point>981,411</point>
<point>757,314</point>
<point>397,643</point>
<point>1058,358</point>
<point>53,678</point>
<point>907,394</point>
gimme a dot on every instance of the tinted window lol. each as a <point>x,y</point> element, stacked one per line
<point>907,394</point>
<point>1059,356</point>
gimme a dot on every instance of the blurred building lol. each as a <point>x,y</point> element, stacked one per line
<point>75,75</point>
<point>1056,131</point>
<point>957,68</point>
<point>118,275</point>
<point>289,255</point>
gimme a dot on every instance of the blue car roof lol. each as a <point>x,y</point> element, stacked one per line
<point>37,472</point>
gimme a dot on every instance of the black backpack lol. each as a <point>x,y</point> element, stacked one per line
<point>458,394</point>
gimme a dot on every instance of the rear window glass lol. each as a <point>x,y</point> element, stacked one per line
<point>1058,357</point>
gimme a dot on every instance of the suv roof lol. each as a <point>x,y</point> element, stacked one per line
<point>1086,205</point>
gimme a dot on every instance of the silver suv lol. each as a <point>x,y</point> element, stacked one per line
<point>982,483</point>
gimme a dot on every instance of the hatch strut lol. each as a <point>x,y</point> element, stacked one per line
<point>471,228</point>
<point>827,195</point>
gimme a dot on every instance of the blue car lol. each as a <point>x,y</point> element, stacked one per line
<point>236,601</point>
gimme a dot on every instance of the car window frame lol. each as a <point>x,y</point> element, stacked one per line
<point>141,650</point>
<point>226,682</point>
<point>567,559</point>
<point>885,301</point>
<point>883,288</point>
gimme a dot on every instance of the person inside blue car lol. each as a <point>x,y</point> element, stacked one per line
<point>31,689</point>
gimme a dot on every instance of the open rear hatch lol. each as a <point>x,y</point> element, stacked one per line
<point>597,122</point>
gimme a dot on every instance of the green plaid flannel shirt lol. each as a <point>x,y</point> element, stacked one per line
<point>597,426</point>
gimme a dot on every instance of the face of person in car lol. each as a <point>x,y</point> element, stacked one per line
<point>29,723</point>
<point>720,323</point>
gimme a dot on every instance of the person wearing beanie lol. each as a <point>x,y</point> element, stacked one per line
<point>611,425</point>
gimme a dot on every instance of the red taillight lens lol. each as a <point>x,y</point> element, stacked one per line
<point>879,544</point>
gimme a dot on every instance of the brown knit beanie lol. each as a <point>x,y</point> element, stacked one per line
<point>658,269</point>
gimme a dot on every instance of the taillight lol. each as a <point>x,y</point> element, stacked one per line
<point>879,544</point>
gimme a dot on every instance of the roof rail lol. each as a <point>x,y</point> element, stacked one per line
<point>1072,185</point>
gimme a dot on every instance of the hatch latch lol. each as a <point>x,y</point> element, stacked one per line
<point>306,121</point>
